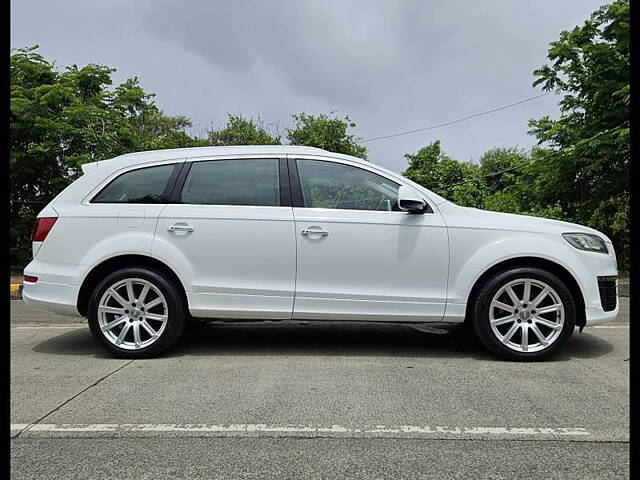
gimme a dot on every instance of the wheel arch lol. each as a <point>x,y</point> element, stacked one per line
<point>112,264</point>
<point>536,262</point>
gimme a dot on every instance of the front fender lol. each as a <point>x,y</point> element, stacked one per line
<point>489,250</point>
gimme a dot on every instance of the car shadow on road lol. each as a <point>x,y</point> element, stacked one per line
<point>78,342</point>
<point>321,338</point>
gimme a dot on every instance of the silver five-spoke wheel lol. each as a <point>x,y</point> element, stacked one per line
<point>132,313</point>
<point>526,315</point>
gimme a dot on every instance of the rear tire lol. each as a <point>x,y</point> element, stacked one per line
<point>136,313</point>
<point>523,314</point>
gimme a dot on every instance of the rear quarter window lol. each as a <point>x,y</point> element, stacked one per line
<point>144,185</point>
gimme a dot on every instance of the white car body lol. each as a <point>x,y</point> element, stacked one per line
<point>252,262</point>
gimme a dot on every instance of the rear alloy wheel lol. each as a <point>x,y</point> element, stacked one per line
<point>136,313</point>
<point>524,314</point>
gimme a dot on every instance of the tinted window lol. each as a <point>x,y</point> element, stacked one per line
<point>334,185</point>
<point>145,185</point>
<point>233,182</point>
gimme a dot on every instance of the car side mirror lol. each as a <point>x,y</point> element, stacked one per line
<point>409,201</point>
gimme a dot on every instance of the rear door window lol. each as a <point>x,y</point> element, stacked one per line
<point>250,182</point>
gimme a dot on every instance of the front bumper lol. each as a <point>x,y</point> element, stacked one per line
<point>600,286</point>
<point>609,305</point>
<point>597,315</point>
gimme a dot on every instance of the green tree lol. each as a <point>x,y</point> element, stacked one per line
<point>516,182</point>
<point>589,178</point>
<point>501,168</point>
<point>329,133</point>
<point>62,119</point>
<point>457,181</point>
<point>243,131</point>
<point>143,126</point>
<point>506,180</point>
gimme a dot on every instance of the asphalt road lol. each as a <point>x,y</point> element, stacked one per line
<point>315,401</point>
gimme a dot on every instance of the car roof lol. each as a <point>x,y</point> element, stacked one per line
<point>137,158</point>
<point>106,167</point>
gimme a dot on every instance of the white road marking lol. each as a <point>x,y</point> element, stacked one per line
<point>608,326</point>
<point>316,430</point>
<point>53,327</point>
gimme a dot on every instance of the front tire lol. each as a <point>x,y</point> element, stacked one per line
<point>136,313</point>
<point>523,314</point>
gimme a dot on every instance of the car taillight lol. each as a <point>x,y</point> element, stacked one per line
<point>42,227</point>
<point>30,279</point>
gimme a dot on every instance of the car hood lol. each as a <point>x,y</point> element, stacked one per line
<point>457,216</point>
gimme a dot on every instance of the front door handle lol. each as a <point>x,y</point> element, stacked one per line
<point>180,228</point>
<point>314,231</point>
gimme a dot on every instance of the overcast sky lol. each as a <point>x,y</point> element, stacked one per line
<point>389,65</point>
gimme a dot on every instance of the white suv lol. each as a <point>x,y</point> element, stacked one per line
<point>142,242</point>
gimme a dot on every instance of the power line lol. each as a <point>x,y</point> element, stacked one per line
<point>558,152</point>
<point>446,124</point>
<point>479,114</point>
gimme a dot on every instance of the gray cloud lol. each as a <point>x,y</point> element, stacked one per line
<point>390,66</point>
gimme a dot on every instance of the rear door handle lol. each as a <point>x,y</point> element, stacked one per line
<point>180,228</point>
<point>314,231</point>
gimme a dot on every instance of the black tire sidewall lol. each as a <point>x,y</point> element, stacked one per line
<point>175,304</point>
<point>481,305</point>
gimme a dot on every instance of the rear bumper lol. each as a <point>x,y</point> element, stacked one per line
<point>56,289</point>
<point>52,297</point>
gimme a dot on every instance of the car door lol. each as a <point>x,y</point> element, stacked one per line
<point>229,232</point>
<point>358,256</point>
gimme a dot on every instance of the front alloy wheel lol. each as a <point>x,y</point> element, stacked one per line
<point>526,315</point>
<point>523,314</point>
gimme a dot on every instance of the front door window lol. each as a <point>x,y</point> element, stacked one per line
<point>339,186</point>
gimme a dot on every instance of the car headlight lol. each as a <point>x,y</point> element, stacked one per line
<point>586,241</point>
